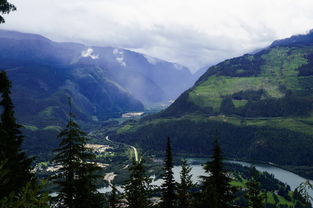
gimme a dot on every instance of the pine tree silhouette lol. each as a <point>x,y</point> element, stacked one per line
<point>168,187</point>
<point>184,187</point>
<point>77,173</point>
<point>11,138</point>
<point>138,188</point>
<point>216,190</point>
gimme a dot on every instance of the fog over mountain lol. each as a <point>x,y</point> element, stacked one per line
<point>104,82</point>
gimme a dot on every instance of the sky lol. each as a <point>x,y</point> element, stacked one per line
<point>194,33</point>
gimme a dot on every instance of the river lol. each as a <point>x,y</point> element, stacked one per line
<point>293,180</point>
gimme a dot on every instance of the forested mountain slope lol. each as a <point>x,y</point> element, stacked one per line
<point>261,104</point>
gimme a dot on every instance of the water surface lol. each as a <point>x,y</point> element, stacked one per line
<point>291,179</point>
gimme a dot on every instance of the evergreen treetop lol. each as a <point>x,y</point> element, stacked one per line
<point>113,200</point>
<point>216,190</point>
<point>168,186</point>
<point>77,173</point>
<point>5,8</point>
<point>185,186</point>
<point>254,194</point>
<point>138,188</point>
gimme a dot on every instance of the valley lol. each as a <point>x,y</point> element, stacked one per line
<point>156,104</point>
<point>261,105</point>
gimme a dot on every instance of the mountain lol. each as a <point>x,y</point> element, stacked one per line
<point>44,73</point>
<point>148,79</point>
<point>103,82</point>
<point>261,104</point>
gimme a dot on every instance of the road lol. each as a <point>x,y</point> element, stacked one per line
<point>107,138</point>
<point>134,149</point>
<point>135,152</point>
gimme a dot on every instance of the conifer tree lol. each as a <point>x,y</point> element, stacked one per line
<point>254,195</point>
<point>76,175</point>
<point>183,188</point>
<point>30,196</point>
<point>138,188</point>
<point>5,8</point>
<point>86,191</point>
<point>302,192</point>
<point>168,186</point>
<point>113,201</point>
<point>216,190</point>
<point>11,140</point>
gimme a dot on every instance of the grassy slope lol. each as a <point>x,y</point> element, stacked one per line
<point>280,68</point>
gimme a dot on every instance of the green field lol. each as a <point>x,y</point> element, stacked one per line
<point>279,69</point>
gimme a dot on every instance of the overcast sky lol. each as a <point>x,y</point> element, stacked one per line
<point>194,33</point>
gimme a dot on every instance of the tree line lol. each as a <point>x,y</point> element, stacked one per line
<point>76,174</point>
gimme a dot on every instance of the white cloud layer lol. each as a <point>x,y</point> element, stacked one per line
<point>190,32</point>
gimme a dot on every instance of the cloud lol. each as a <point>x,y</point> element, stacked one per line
<point>190,32</point>
<point>119,57</point>
<point>89,53</point>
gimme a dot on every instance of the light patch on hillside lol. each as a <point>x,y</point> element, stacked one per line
<point>89,53</point>
<point>98,148</point>
<point>119,57</point>
<point>54,168</point>
<point>109,177</point>
<point>132,114</point>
